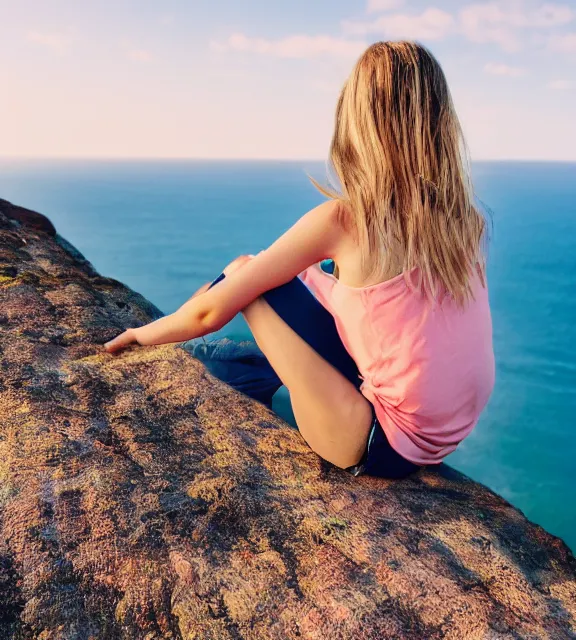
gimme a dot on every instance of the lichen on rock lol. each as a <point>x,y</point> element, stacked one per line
<point>141,498</point>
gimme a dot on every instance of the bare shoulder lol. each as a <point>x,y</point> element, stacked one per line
<point>328,212</point>
<point>335,222</point>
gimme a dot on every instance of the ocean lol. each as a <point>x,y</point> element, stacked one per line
<point>166,227</point>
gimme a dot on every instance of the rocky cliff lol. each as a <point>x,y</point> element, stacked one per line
<point>140,498</point>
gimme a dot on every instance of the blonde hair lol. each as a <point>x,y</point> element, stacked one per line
<point>400,157</point>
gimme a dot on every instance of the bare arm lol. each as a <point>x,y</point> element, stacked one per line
<point>315,236</point>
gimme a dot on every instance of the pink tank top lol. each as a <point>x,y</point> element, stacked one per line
<point>427,368</point>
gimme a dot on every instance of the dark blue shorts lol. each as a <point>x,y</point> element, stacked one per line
<point>379,458</point>
<point>301,311</point>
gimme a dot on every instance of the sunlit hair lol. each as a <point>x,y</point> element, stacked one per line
<point>403,171</point>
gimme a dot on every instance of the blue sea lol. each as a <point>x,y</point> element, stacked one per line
<point>166,227</point>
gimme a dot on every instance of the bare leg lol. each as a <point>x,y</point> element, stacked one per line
<point>332,415</point>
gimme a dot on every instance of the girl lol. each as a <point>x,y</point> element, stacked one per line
<point>390,363</point>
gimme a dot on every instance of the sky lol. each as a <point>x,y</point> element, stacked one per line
<point>260,78</point>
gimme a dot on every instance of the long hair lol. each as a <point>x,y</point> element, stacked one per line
<point>403,170</point>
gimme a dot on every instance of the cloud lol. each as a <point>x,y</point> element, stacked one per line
<point>564,43</point>
<point>504,70</point>
<point>501,22</point>
<point>300,46</point>
<point>432,24</point>
<point>482,23</point>
<point>383,5</point>
<point>560,85</point>
<point>58,42</point>
<point>139,55</point>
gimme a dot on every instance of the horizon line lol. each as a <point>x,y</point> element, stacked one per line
<point>244,159</point>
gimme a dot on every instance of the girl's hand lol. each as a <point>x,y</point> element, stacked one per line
<point>121,341</point>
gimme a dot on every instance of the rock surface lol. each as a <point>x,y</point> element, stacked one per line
<point>141,498</point>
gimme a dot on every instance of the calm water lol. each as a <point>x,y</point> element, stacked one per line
<point>165,228</point>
